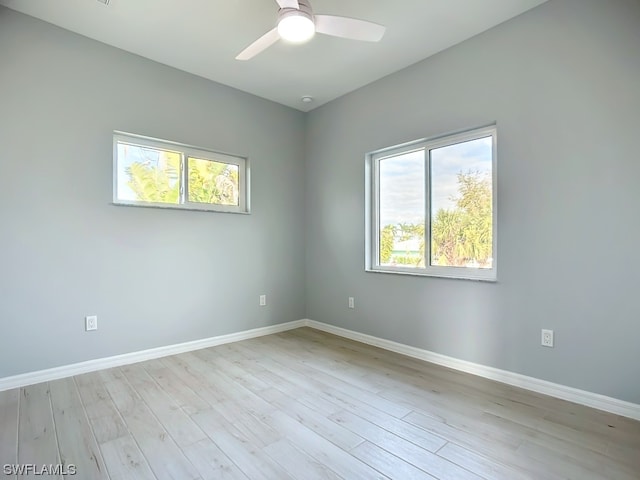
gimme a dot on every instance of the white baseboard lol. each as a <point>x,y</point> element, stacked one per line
<point>582,397</point>
<point>64,371</point>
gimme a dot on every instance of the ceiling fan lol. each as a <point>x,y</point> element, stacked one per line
<point>297,24</point>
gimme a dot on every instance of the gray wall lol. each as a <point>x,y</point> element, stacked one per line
<point>154,277</point>
<point>561,81</point>
<point>563,84</point>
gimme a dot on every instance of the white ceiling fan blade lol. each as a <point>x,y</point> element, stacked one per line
<point>349,28</point>
<point>259,45</point>
<point>288,4</point>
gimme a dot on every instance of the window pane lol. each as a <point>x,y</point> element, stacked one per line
<point>461,204</point>
<point>213,182</point>
<point>402,201</point>
<point>148,174</point>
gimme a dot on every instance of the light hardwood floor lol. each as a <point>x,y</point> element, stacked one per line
<point>308,405</point>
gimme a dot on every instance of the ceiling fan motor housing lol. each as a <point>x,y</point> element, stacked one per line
<point>296,24</point>
<point>304,10</point>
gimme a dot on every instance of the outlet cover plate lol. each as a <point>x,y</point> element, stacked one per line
<point>91,322</point>
<point>546,339</point>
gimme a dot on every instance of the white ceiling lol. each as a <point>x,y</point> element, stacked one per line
<point>204,36</point>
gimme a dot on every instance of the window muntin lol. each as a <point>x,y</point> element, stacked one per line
<point>446,185</point>
<point>156,173</point>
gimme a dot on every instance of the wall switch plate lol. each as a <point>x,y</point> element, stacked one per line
<point>91,322</point>
<point>263,300</point>
<point>352,302</point>
<point>547,338</point>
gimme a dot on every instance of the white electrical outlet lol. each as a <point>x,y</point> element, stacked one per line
<point>547,338</point>
<point>263,300</point>
<point>91,322</point>
<point>352,302</point>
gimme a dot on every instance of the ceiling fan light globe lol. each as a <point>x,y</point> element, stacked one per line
<point>296,28</point>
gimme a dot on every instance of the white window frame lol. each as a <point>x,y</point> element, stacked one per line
<point>372,202</point>
<point>186,152</point>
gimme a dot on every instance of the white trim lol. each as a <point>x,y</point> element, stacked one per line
<point>582,397</point>
<point>64,371</point>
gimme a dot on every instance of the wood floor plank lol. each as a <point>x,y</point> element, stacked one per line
<point>222,391</point>
<point>570,467</point>
<point>232,369</point>
<point>624,455</point>
<point>329,382</point>
<point>297,463</point>
<point>188,400</point>
<point>338,367</point>
<point>9,400</point>
<point>315,421</point>
<point>250,426</point>
<point>177,423</point>
<point>106,422</point>
<point>124,459</point>
<point>306,390</point>
<point>474,423</point>
<point>480,464</point>
<point>409,452</point>
<point>249,458</point>
<point>315,381</point>
<point>387,463</point>
<point>37,444</point>
<point>454,395</point>
<point>319,401</point>
<point>234,393</point>
<point>400,428</point>
<point>76,442</point>
<point>242,408</point>
<point>466,437</point>
<point>410,370</point>
<point>617,432</point>
<point>323,451</point>
<point>180,366</point>
<point>586,451</point>
<point>211,462</point>
<point>163,455</point>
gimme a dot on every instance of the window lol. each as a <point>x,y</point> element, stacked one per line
<point>155,173</point>
<point>431,207</point>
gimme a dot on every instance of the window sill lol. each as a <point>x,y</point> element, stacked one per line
<point>458,274</point>
<point>192,208</point>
